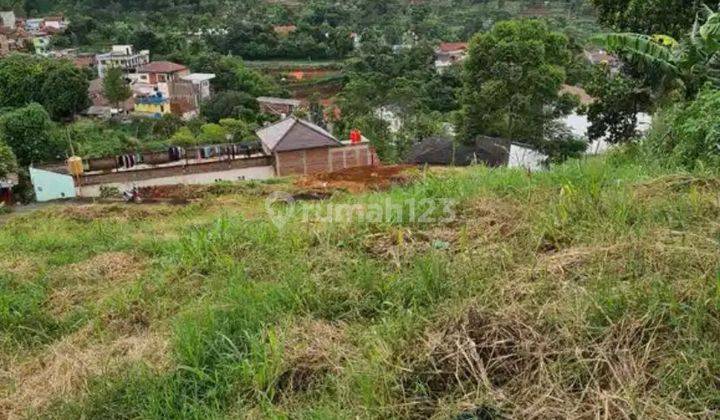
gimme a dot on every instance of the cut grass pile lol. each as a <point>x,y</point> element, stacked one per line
<point>591,290</point>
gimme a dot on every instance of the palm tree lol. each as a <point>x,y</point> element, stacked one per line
<point>686,65</point>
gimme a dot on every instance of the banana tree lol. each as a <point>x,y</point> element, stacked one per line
<point>685,65</point>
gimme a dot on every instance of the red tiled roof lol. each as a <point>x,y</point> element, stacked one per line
<point>453,46</point>
<point>162,67</point>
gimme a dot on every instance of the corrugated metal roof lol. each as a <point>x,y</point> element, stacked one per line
<point>294,134</point>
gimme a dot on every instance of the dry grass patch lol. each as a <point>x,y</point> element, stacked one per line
<point>313,349</point>
<point>19,266</point>
<point>116,212</point>
<point>64,369</point>
<point>481,223</point>
<point>90,280</point>
<point>527,368</point>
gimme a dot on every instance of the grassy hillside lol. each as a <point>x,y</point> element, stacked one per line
<point>590,290</point>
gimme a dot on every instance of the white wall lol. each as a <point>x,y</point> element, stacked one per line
<point>257,172</point>
<point>579,126</point>
<point>525,158</point>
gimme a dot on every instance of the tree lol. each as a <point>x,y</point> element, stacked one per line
<point>238,129</point>
<point>673,66</point>
<point>65,91</point>
<point>29,132</point>
<point>184,137</point>
<point>513,76</point>
<point>115,88</point>
<point>56,84</point>
<point>213,133</point>
<point>231,104</point>
<point>672,17</point>
<point>618,99</point>
<point>8,163</point>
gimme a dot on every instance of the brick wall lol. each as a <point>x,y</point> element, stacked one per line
<point>304,162</point>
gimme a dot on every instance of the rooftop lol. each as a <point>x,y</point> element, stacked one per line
<point>162,67</point>
<point>279,101</point>
<point>452,46</point>
<point>198,77</point>
<point>295,134</point>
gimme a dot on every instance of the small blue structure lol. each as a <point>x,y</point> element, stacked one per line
<point>50,186</point>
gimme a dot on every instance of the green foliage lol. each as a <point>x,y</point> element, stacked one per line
<point>617,101</point>
<point>184,137</point>
<point>238,129</point>
<point>56,84</point>
<point>512,80</point>
<point>230,104</point>
<point>213,134</point>
<point>115,88</point>
<point>650,17</point>
<point>94,140</point>
<point>29,133</point>
<point>8,163</point>
<point>683,66</point>
<point>688,134</point>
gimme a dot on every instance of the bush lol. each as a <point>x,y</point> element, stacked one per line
<point>688,134</point>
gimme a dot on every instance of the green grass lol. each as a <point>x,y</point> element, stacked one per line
<point>590,289</point>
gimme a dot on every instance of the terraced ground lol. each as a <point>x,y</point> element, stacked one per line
<point>591,290</point>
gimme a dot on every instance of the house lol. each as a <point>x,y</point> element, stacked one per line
<point>34,25</point>
<point>6,187</point>
<point>56,23</point>
<point>124,57</point>
<point>157,72</point>
<point>299,147</point>
<point>284,30</point>
<point>184,98</point>
<point>7,19</point>
<point>449,53</point>
<point>153,106</point>
<point>278,106</point>
<point>202,82</point>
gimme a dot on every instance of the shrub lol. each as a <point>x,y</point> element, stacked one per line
<point>688,134</point>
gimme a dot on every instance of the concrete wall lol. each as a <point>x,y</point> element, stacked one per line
<point>238,174</point>
<point>50,186</point>
<point>526,158</point>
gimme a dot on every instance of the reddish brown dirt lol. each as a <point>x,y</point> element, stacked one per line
<point>358,179</point>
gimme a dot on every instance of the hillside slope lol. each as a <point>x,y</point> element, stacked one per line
<point>587,291</point>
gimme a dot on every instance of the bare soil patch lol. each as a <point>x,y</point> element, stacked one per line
<point>360,179</point>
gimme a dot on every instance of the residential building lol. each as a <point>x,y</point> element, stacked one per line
<point>34,25</point>
<point>281,107</point>
<point>124,57</point>
<point>56,23</point>
<point>202,83</point>
<point>299,147</point>
<point>449,53</point>
<point>153,106</point>
<point>161,72</point>
<point>7,19</point>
